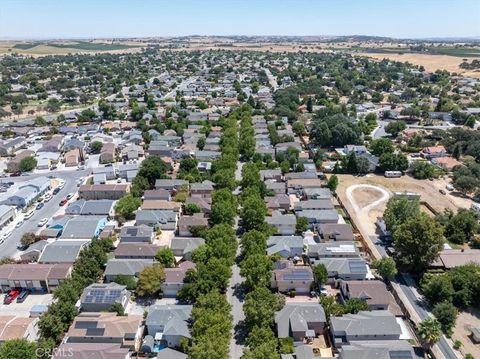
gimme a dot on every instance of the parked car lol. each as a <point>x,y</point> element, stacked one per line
<point>39,206</point>
<point>11,296</point>
<point>15,174</point>
<point>61,185</point>
<point>42,222</point>
<point>6,234</point>
<point>22,296</point>
<point>28,215</point>
<point>63,202</point>
<point>56,190</point>
<point>19,224</point>
<point>442,191</point>
<point>48,197</point>
<point>70,196</point>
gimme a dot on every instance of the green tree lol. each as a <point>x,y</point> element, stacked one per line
<point>395,127</point>
<point>96,147</point>
<point>201,143</point>
<point>385,267</point>
<point>153,168</point>
<point>260,336</point>
<point>18,348</point>
<point>27,164</point>
<point>332,183</point>
<point>256,269</point>
<point>29,238</point>
<point>150,280</point>
<point>380,146</point>
<point>446,314</point>
<point>331,306</point>
<point>126,206</point>
<point>393,162</point>
<point>423,170</point>
<point>399,210</point>
<point>429,332</point>
<point>127,280</point>
<point>253,212</point>
<point>117,308</point>
<point>355,305</point>
<point>320,274</point>
<point>165,257</point>
<point>461,228</point>
<point>302,224</point>
<point>417,242</point>
<point>260,307</point>
<point>192,208</point>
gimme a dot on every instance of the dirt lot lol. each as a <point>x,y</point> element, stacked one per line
<point>430,62</point>
<point>465,321</point>
<point>365,198</point>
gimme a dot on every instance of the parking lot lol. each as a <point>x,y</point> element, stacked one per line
<point>24,309</point>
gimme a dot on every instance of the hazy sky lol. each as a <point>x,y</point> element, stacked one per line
<point>130,18</point>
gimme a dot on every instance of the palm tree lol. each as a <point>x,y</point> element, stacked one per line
<point>429,332</point>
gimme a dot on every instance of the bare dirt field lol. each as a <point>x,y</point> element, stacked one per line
<point>430,62</point>
<point>465,321</point>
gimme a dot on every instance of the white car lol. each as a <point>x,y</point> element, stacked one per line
<point>61,185</point>
<point>6,235</point>
<point>70,195</point>
<point>19,224</point>
<point>48,197</point>
<point>42,222</point>
<point>28,215</point>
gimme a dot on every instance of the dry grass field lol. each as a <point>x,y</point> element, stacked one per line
<point>430,62</point>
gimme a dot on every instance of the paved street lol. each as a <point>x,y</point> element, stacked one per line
<point>235,294</point>
<point>9,247</point>
<point>271,79</point>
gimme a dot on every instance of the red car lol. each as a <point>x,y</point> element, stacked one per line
<point>11,296</point>
<point>63,202</point>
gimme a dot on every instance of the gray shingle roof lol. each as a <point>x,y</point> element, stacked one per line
<point>129,267</point>
<point>376,322</point>
<point>296,316</point>
<point>174,319</point>
<point>61,251</point>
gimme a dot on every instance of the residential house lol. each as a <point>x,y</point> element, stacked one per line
<point>32,253</point>
<point>104,327</point>
<point>284,225</point>
<point>136,251</point>
<point>314,204</point>
<point>137,234</point>
<point>203,189</point>
<point>300,320</point>
<point>170,184</point>
<point>277,188</point>
<point>275,175</point>
<point>434,152</point>
<point>103,191</point>
<point>100,297</point>
<point>378,349</point>
<point>52,145</point>
<point>186,223</point>
<point>205,203</point>
<point>100,207</point>
<point>278,202</point>
<point>13,165</point>
<point>344,268</point>
<point>446,163</point>
<point>376,325</point>
<point>108,171</point>
<point>62,252</point>
<point>174,278</point>
<point>84,227</point>
<point>163,205</point>
<point>72,158</point>
<point>166,220</point>
<point>170,323</point>
<point>43,278</point>
<point>287,277</point>
<point>342,249</point>
<point>169,353</point>
<point>28,192</point>
<point>374,292</point>
<point>125,267</point>
<point>9,147</point>
<point>91,350</point>
<point>13,327</point>
<point>298,186</point>
<point>335,232</point>
<point>285,246</point>
<point>128,171</point>
<point>157,194</point>
<point>107,153</point>
<point>319,216</point>
<point>316,193</point>
<point>183,247</point>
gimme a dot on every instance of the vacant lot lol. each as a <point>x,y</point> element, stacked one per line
<point>465,321</point>
<point>430,62</point>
